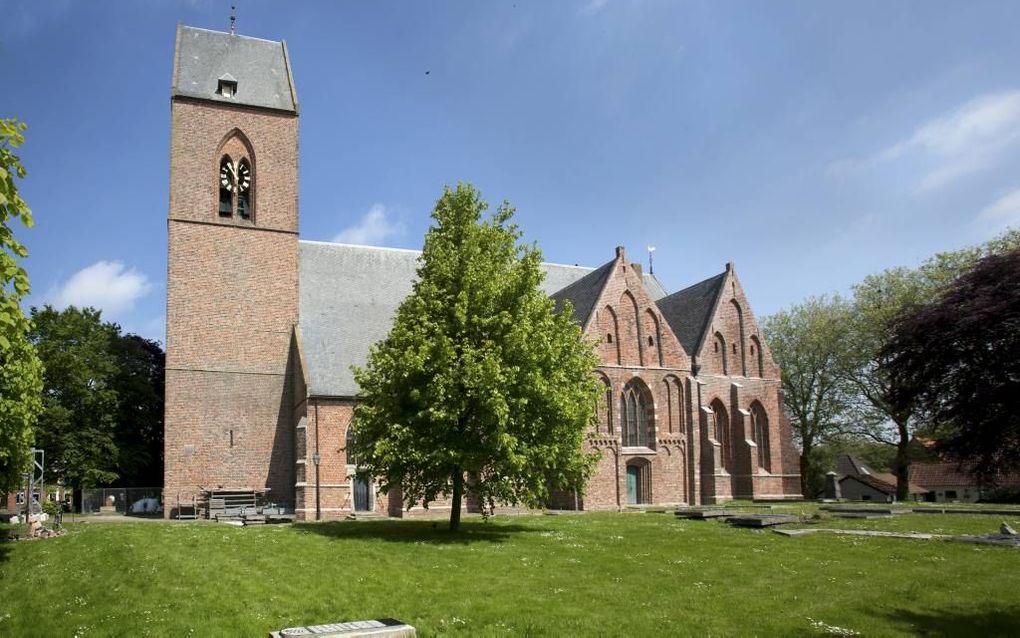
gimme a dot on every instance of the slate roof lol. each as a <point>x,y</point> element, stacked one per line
<point>885,487</point>
<point>583,293</point>
<point>688,311</point>
<point>260,67</point>
<point>348,296</point>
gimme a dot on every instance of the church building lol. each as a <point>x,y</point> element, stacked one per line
<point>263,328</point>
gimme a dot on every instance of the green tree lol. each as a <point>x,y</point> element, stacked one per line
<point>480,387</point>
<point>139,384</point>
<point>20,369</point>
<point>77,427</point>
<point>809,343</point>
<point>878,302</point>
<point>955,362</point>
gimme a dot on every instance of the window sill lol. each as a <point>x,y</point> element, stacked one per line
<point>636,450</point>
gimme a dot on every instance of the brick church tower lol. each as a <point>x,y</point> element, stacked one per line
<point>232,281</point>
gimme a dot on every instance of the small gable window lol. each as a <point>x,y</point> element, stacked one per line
<point>651,341</point>
<point>609,338</point>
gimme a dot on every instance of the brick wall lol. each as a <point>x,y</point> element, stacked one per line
<point>232,289</point>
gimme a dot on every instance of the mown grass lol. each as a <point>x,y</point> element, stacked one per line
<point>594,574</point>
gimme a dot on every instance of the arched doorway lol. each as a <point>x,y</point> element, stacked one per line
<point>361,487</point>
<point>639,482</point>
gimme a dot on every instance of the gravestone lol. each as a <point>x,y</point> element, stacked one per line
<point>381,628</point>
<point>832,492</point>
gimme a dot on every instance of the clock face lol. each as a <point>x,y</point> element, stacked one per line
<point>243,177</point>
<point>227,175</point>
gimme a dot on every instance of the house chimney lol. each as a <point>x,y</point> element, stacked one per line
<point>619,253</point>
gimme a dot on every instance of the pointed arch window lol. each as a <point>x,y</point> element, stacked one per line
<point>352,458</point>
<point>235,178</point>
<point>722,432</point>
<point>637,418</point>
<point>760,423</point>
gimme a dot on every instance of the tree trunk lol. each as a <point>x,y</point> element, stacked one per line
<point>458,489</point>
<point>806,474</point>
<point>903,464</point>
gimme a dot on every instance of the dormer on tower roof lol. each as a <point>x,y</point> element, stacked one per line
<point>235,69</point>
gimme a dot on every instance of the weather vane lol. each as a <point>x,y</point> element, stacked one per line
<point>233,18</point>
<point>651,249</point>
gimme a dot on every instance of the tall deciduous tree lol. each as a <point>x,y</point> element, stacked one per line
<point>878,301</point>
<point>77,427</point>
<point>480,387</point>
<point>20,369</point>
<point>139,384</point>
<point>955,363</point>
<point>809,343</point>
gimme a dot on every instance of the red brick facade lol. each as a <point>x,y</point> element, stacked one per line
<point>675,427</point>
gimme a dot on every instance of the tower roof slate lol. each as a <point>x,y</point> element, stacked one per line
<point>261,69</point>
<point>688,311</point>
<point>348,296</point>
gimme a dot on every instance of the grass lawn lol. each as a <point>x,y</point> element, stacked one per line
<point>591,574</point>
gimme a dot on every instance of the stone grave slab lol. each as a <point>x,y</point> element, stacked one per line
<point>381,628</point>
<point>704,514</point>
<point>762,520</point>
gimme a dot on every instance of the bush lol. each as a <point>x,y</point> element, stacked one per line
<point>1002,495</point>
<point>50,508</point>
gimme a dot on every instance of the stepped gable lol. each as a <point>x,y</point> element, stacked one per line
<point>689,311</point>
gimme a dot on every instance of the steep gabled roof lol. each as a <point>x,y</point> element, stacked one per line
<point>260,69</point>
<point>348,296</point>
<point>583,293</point>
<point>689,311</point>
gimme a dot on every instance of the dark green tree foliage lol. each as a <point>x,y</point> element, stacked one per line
<point>956,362</point>
<point>139,384</point>
<point>480,387</point>
<point>78,424</point>
<point>20,370</point>
<point>808,342</point>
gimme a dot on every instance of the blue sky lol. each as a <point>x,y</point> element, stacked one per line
<point>811,143</point>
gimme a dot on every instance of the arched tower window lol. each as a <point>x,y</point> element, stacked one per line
<point>638,415</point>
<point>236,178</point>
<point>722,432</point>
<point>760,423</point>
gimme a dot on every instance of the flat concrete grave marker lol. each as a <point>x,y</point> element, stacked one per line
<point>381,628</point>
<point>762,520</point>
<point>704,514</point>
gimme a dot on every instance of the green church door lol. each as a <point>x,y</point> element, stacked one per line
<point>361,499</point>
<point>633,477</point>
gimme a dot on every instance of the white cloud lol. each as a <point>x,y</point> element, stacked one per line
<point>107,285</point>
<point>593,7</point>
<point>1002,213</point>
<point>372,229</point>
<point>966,140</point>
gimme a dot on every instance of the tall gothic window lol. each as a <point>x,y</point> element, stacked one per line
<point>352,459</point>
<point>722,432</point>
<point>244,195</point>
<point>235,179</point>
<point>637,424</point>
<point>760,422</point>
